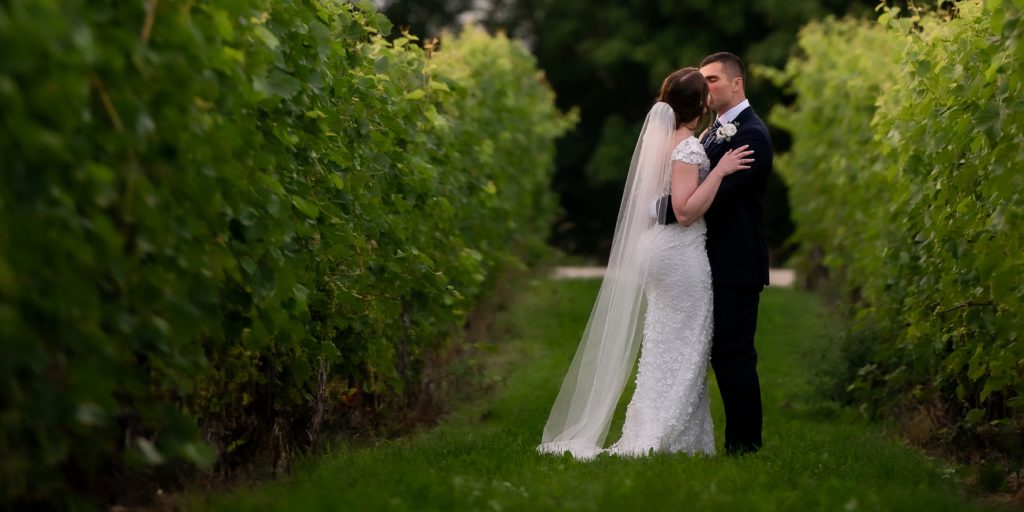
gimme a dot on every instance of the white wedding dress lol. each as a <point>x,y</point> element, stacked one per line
<point>670,410</point>
<point>655,296</point>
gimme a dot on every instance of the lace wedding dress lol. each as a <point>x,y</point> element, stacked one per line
<point>655,295</point>
<point>670,409</point>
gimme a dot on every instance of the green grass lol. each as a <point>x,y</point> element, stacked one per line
<point>817,456</point>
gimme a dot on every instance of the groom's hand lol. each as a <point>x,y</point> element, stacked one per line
<point>665,205</point>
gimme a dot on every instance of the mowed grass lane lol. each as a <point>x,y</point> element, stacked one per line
<point>817,456</point>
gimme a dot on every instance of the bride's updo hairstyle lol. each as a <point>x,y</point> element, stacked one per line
<point>686,92</point>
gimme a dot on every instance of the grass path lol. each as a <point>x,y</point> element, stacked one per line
<point>816,456</point>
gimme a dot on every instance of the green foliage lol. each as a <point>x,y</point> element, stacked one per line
<point>608,57</point>
<point>905,173</point>
<point>831,125</point>
<point>225,224</point>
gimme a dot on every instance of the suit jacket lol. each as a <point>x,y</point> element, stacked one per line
<point>736,245</point>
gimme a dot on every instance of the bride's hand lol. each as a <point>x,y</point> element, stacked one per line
<point>735,159</point>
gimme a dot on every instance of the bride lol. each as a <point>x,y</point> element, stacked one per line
<point>662,271</point>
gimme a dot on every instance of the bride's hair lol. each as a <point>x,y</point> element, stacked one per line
<point>686,92</point>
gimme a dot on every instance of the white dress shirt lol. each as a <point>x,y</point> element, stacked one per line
<point>734,112</point>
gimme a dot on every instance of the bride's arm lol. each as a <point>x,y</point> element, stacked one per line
<point>690,201</point>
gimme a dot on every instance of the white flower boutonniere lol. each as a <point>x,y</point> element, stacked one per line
<point>725,132</point>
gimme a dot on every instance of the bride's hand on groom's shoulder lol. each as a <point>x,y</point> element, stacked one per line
<point>736,159</point>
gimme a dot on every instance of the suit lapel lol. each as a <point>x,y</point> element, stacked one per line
<point>744,116</point>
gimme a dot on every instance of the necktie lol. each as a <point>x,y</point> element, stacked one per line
<point>709,137</point>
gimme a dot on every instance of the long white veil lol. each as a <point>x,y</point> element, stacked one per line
<point>582,412</point>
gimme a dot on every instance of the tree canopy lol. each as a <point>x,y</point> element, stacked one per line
<point>608,58</point>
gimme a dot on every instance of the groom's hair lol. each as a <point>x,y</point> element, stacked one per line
<point>732,64</point>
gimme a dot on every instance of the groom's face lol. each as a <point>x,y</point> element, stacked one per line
<point>722,88</point>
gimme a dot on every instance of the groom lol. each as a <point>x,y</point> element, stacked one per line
<point>736,249</point>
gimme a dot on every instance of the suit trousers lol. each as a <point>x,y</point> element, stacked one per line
<point>734,360</point>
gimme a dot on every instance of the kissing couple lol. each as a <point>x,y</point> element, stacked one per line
<point>688,263</point>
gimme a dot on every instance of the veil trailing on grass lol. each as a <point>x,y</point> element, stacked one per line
<point>580,417</point>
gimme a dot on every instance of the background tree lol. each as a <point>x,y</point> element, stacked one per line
<point>608,58</point>
<point>424,17</point>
